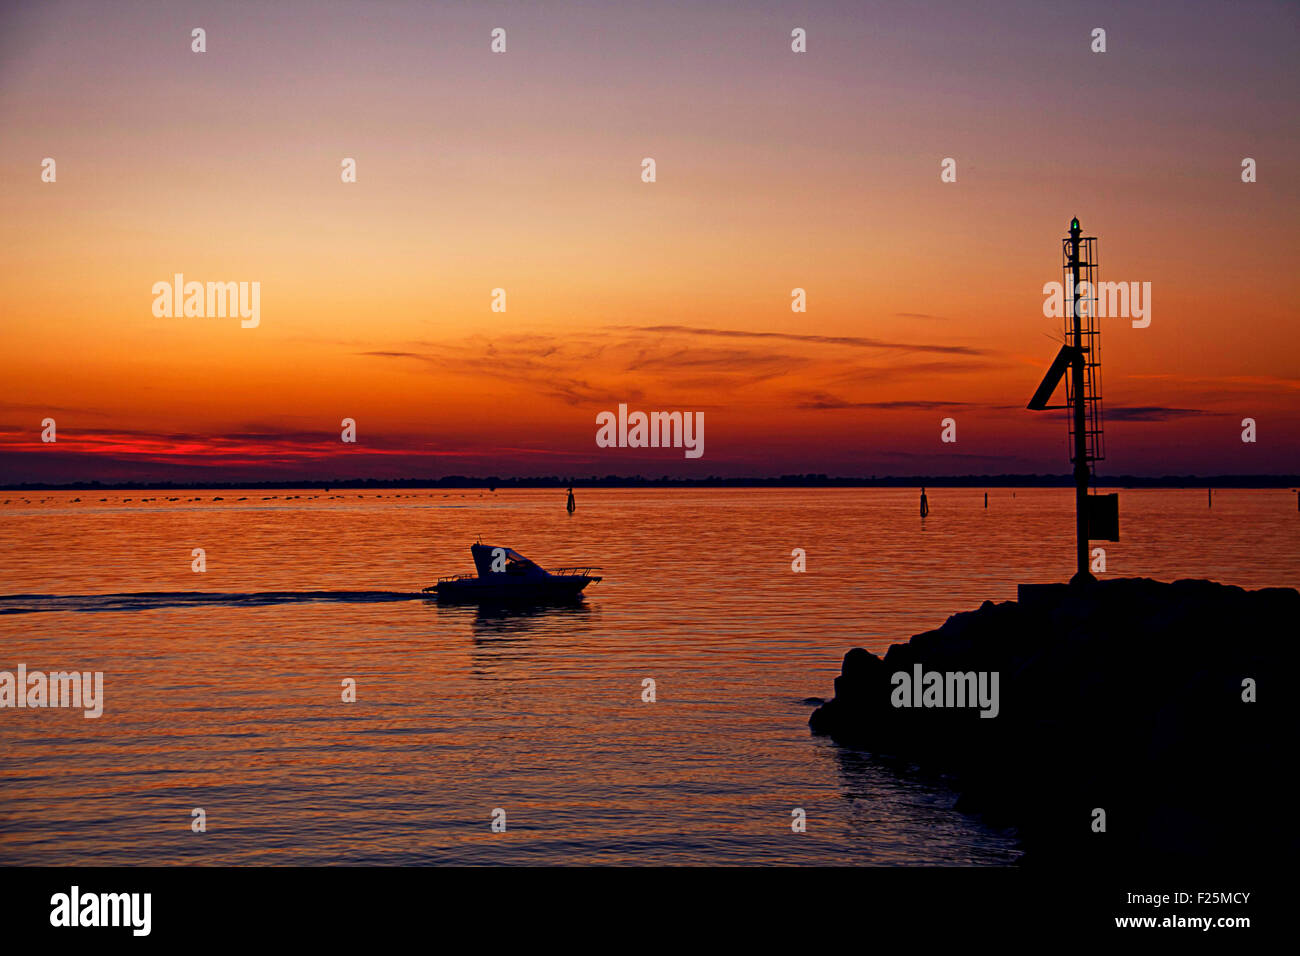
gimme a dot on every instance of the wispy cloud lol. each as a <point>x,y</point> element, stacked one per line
<point>822,401</point>
<point>851,341</point>
<point>1150,413</point>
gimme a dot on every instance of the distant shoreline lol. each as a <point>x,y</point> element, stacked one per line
<point>637,481</point>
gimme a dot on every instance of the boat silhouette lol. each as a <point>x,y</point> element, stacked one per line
<point>506,577</point>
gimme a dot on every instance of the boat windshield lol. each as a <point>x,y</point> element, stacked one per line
<point>517,564</point>
<point>488,560</point>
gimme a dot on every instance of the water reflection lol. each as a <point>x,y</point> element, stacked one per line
<point>504,637</point>
<point>915,813</point>
<point>493,622</point>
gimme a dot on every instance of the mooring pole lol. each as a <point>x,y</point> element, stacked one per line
<point>1080,417</point>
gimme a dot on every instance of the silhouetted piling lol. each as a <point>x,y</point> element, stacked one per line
<point>925,504</point>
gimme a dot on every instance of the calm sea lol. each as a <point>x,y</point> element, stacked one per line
<point>234,705</point>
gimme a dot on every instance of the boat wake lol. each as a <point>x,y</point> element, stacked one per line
<point>152,600</point>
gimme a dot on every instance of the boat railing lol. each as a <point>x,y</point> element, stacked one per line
<point>578,571</point>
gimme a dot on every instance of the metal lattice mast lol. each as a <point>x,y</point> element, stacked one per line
<point>1080,357</point>
<point>1075,393</point>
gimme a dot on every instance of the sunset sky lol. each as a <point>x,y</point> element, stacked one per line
<point>522,171</point>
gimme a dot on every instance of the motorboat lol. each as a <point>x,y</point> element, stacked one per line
<point>506,577</point>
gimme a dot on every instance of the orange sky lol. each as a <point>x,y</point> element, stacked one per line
<point>522,171</point>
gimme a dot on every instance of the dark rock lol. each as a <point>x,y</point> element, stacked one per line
<point>1124,695</point>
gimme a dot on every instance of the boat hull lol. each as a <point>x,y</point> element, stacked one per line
<point>498,589</point>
